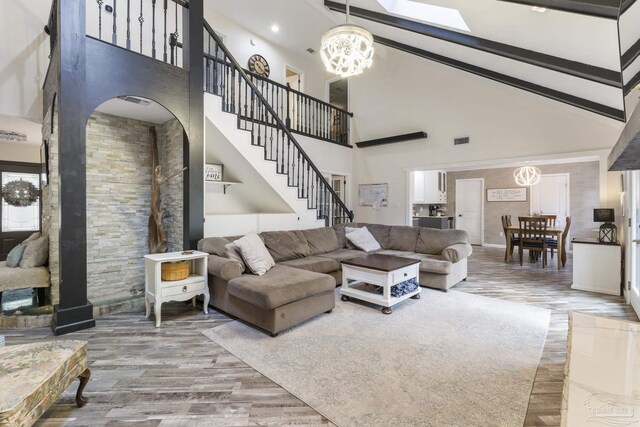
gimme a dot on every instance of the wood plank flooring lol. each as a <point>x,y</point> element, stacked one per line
<point>175,376</point>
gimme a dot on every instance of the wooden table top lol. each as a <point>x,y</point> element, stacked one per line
<point>381,262</point>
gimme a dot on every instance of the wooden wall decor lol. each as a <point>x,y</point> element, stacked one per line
<point>157,235</point>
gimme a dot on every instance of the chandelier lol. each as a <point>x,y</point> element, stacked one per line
<point>20,193</point>
<point>527,175</point>
<point>347,50</point>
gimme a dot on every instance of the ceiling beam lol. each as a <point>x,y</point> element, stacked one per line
<point>577,69</point>
<point>565,98</point>
<point>599,8</point>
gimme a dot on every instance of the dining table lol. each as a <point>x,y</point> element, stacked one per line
<point>552,231</point>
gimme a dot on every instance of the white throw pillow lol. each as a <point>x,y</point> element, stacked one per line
<point>362,238</point>
<point>255,254</point>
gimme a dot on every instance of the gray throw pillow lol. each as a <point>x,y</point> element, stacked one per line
<point>231,251</point>
<point>34,236</point>
<point>14,257</point>
<point>36,253</point>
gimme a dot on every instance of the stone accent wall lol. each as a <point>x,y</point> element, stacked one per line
<point>170,150</point>
<point>118,202</point>
<point>50,196</point>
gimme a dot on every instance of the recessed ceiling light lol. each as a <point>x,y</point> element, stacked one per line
<point>275,28</point>
<point>539,9</point>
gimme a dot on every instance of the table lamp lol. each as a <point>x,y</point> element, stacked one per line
<point>608,231</point>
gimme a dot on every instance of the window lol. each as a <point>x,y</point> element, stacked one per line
<point>20,218</point>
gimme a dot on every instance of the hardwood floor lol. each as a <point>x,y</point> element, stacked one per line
<point>175,376</point>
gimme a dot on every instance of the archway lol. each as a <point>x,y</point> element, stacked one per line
<point>119,175</point>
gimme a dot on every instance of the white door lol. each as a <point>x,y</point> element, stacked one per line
<point>550,196</point>
<point>634,189</point>
<point>470,209</point>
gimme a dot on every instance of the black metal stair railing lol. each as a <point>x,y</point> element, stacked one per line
<point>304,114</point>
<point>158,26</point>
<point>254,108</point>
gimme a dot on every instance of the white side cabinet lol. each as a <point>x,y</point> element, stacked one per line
<point>158,291</point>
<point>596,266</point>
<point>430,187</point>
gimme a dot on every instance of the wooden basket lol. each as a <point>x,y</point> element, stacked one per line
<point>172,271</point>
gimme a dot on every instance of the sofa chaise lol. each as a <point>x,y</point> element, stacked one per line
<point>302,283</point>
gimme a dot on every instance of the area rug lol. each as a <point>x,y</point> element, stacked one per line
<point>447,359</point>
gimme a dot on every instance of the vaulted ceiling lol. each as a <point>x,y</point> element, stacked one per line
<point>585,53</point>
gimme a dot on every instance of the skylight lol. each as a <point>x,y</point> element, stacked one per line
<point>438,15</point>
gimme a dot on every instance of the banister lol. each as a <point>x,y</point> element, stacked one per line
<point>285,87</point>
<point>257,93</point>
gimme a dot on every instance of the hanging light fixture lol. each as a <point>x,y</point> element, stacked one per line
<point>527,175</point>
<point>347,50</point>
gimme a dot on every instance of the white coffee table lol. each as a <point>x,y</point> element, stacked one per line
<point>379,270</point>
<point>158,291</point>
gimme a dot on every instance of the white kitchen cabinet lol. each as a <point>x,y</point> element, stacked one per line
<point>430,187</point>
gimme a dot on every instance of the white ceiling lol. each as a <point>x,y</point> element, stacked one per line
<point>152,113</point>
<point>569,35</point>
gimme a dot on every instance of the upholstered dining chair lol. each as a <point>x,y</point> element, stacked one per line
<point>553,243</point>
<point>532,232</point>
<point>515,240</point>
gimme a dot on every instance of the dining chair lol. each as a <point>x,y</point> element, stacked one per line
<point>532,232</point>
<point>553,243</point>
<point>515,240</point>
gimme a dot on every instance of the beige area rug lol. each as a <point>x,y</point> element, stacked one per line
<point>447,359</point>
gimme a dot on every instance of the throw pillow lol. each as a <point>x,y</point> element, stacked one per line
<point>34,236</point>
<point>14,257</point>
<point>36,253</point>
<point>255,254</point>
<point>362,238</point>
<point>231,251</point>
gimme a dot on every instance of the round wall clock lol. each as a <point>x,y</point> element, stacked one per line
<point>257,64</point>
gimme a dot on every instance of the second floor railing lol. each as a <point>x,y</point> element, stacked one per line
<point>301,113</point>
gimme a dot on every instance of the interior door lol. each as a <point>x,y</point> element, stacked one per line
<point>634,292</point>
<point>469,208</point>
<point>550,196</point>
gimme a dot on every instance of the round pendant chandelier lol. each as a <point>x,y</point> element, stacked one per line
<point>20,193</point>
<point>527,176</point>
<point>347,50</point>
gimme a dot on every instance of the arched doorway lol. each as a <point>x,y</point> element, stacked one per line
<point>120,138</point>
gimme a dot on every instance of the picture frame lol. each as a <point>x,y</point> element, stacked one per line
<point>44,161</point>
<point>517,194</point>
<point>213,172</point>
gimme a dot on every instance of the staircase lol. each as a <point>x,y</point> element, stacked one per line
<point>246,117</point>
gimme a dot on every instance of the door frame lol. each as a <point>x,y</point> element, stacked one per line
<point>325,173</point>
<point>632,181</point>
<point>568,201</point>
<point>296,70</point>
<point>481,205</point>
<point>327,89</point>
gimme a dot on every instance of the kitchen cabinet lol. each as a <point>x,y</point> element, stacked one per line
<point>430,187</point>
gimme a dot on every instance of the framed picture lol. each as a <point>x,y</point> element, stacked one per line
<point>213,172</point>
<point>44,161</point>
<point>507,194</point>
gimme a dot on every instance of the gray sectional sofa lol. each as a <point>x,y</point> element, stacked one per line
<point>302,284</point>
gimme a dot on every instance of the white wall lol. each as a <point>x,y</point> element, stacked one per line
<point>16,152</point>
<point>418,95</point>
<point>24,57</point>
<point>238,40</point>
